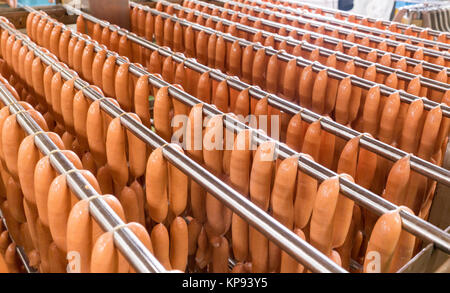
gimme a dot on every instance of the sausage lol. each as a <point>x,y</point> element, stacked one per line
<point>296,132</point>
<point>160,241</point>
<point>272,74</point>
<point>161,110</point>
<point>156,181</point>
<point>247,63</point>
<point>221,97</point>
<point>319,92</point>
<point>204,88</point>
<point>63,46</point>
<point>201,47</point>
<point>97,68</point>
<point>56,89</point>
<point>105,258</point>
<point>311,142</point>
<point>116,153</point>
<point>122,85</point>
<point>28,156</point>
<point>44,174</point>
<point>366,167</point>
<point>388,118</point>
<point>59,204</point>
<point>129,202</point>
<point>413,118</point>
<point>114,41</point>
<point>259,63</point>
<point>382,243</point>
<point>108,76</point>
<point>137,152</point>
<point>194,136</point>
<point>12,136</point>
<point>261,175</point>
<point>77,56</point>
<point>234,59</point>
<point>371,110</point>
<point>125,48</point>
<point>105,180</point>
<point>80,109</point>
<point>14,197</point>
<point>344,207</point>
<point>67,97</point>
<point>305,195</point>
<point>141,100</point>
<point>95,135</point>
<point>189,42</point>
<point>178,244</point>
<point>178,188</point>
<point>154,64</point>
<point>323,215</point>
<point>87,60</point>
<point>240,178</point>
<point>167,70</point>
<point>428,139</point>
<point>404,249</point>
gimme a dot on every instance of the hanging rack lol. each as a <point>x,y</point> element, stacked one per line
<point>353,26</point>
<point>387,151</point>
<point>428,82</point>
<point>287,240</point>
<point>369,19</point>
<point>358,194</point>
<point>124,239</point>
<point>316,66</point>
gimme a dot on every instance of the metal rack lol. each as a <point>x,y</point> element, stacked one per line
<point>387,151</point>
<point>316,66</point>
<point>260,220</point>
<point>354,26</point>
<point>361,196</point>
<point>428,82</point>
<point>359,17</point>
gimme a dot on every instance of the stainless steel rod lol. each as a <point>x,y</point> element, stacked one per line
<point>387,151</point>
<point>260,220</point>
<point>361,196</point>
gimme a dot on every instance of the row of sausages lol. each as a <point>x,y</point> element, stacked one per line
<point>162,125</point>
<point>163,187</point>
<point>423,33</point>
<point>346,102</point>
<point>377,32</point>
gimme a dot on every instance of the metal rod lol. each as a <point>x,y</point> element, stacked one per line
<point>316,66</point>
<point>352,26</point>
<point>369,19</point>
<point>260,220</point>
<point>340,56</point>
<point>387,151</point>
<point>358,194</point>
